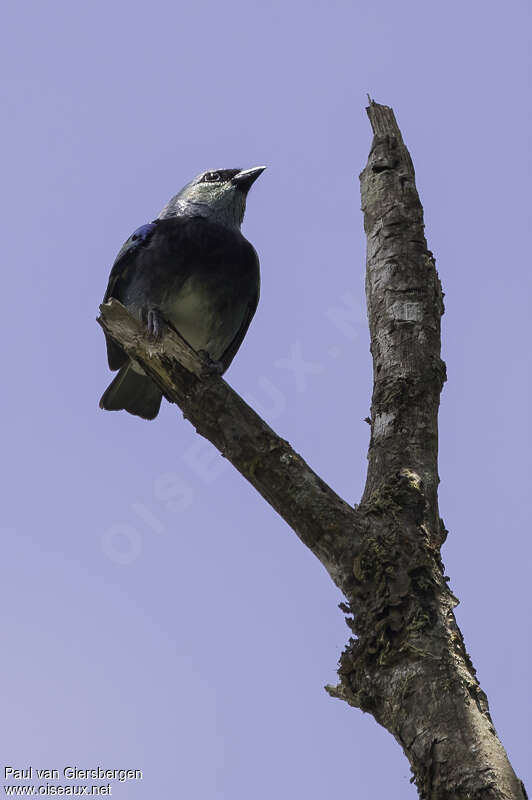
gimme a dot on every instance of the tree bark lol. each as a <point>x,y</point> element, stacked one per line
<point>408,665</point>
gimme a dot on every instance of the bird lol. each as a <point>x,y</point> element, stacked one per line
<point>193,269</point>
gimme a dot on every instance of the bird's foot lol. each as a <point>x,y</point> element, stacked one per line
<point>209,366</point>
<point>155,324</point>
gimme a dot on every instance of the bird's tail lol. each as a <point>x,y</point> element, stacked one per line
<point>133,392</point>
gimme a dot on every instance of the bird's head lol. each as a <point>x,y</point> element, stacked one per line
<point>218,194</point>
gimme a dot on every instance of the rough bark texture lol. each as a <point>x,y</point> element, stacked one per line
<point>408,665</point>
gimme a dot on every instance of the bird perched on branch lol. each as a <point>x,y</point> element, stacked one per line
<point>190,267</point>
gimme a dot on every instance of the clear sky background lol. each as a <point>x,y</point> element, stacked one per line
<point>157,614</point>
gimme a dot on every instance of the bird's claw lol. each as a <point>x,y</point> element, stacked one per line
<point>210,367</point>
<point>155,324</point>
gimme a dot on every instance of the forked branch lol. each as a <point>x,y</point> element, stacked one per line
<point>408,665</point>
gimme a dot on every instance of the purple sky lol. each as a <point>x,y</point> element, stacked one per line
<point>158,615</point>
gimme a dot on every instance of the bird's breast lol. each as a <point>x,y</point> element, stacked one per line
<point>206,316</point>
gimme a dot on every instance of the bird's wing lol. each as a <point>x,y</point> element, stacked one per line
<point>126,258</point>
<point>120,271</point>
<point>231,351</point>
<point>253,260</point>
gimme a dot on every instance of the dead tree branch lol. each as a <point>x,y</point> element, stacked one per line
<point>408,665</point>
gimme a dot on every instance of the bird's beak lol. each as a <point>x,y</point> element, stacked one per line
<point>246,177</point>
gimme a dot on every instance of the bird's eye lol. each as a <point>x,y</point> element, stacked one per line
<point>211,177</point>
